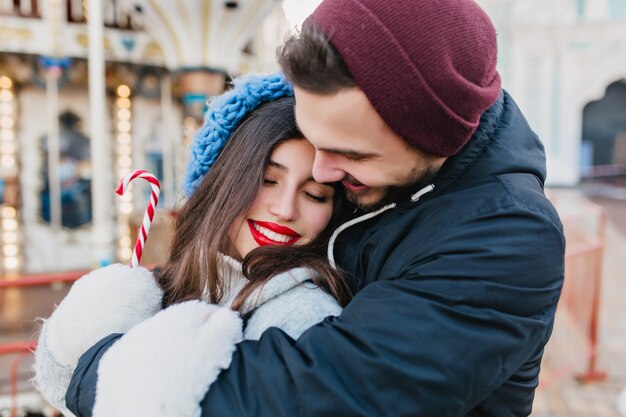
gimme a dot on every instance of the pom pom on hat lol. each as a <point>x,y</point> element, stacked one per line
<point>222,118</point>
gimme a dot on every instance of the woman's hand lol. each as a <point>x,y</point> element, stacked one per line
<point>164,366</point>
<point>108,300</point>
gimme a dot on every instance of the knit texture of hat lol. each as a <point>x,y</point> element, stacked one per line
<point>427,66</point>
<point>224,115</point>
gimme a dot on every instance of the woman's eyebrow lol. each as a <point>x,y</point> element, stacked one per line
<point>284,168</point>
<point>277,165</point>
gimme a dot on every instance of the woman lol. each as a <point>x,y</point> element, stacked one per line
<point>251,237</point>
<point>259,197</point>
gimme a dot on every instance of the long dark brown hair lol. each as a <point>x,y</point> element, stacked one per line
<point>226,193</point>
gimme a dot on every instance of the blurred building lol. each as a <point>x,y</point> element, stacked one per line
<point>564,61</point>
<point>77,114</point>
<point>138,96</point>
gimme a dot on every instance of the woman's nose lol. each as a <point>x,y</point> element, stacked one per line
<point>284,206</point>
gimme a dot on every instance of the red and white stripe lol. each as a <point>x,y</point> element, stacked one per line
<point>142,235</point>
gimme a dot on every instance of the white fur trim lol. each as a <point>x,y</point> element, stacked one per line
<point>108,300</point>
<point>164,366</point>
<point>51,379</point>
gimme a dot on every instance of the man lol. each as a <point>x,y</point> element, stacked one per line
<point>456,256</point>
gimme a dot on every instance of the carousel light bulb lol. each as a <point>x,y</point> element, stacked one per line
<point>7,135</point>
<point>125,253</point>
<point>6,109</point>
<point>123,91</point>
<point>124,161</point>
<point>11,263</point>
<point>9,237</point>
<point>9,224</point>
<point>7,161</point>
<point>123,126</point>
<point>125,241</point>
<point>6,95</point>
<point>123,138</point>
<point>6,122</point>
<point>7,148</point>
<point>9,212</point>
<point>5,82</point>
<point>10,250</point>
<point>124,149</point>
<point>123,103</point>
<point>123,114</point>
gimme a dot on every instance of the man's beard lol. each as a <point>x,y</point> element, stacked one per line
<point>392,194</point>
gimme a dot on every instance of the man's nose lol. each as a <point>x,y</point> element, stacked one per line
<point>325,169</point>
<point>285,206</point>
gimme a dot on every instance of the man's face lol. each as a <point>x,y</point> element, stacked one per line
<point>355,146</point>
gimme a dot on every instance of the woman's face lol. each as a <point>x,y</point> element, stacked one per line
<point>290,208</point>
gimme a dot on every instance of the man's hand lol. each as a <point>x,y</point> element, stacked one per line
<point>164,366</point>
<point>109,300</point>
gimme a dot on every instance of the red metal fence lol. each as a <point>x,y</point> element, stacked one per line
<point>573,347</point>
<point>16,351</point>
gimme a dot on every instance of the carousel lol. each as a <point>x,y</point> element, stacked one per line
<point>89,90</point>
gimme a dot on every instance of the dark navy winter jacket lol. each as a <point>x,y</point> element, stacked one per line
<point>456,300</point>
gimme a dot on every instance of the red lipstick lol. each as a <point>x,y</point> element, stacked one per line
<point>277,228</point>
<point>263,240</point>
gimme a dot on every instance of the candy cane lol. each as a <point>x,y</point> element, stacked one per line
<point>142,235</point>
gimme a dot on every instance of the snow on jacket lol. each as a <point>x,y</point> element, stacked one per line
<point>457,291</point>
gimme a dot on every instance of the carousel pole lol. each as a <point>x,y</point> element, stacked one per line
<point>53,67</point>
<point>167,109</point>
<point>101,150</point>
<point>54,147</point>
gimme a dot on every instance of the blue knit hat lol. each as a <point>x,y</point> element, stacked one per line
<point>224,115</point>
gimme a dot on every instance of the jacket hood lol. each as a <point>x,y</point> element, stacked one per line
<point>489,153</point>
<point>517,151</point>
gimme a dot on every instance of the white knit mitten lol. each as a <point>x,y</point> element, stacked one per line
<point>108,300</point>
<point>164,366</point>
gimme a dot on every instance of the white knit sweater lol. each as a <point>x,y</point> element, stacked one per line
<point>288,301</point>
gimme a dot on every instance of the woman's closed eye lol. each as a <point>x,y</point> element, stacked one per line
<point>318,198</point>
<point>269,181</point>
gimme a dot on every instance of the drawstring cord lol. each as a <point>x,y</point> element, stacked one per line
<point>331,243</point>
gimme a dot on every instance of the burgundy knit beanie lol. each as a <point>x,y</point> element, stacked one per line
<point>427,66</point>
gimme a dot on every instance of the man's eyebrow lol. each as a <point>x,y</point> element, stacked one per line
<point>349,152</point>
